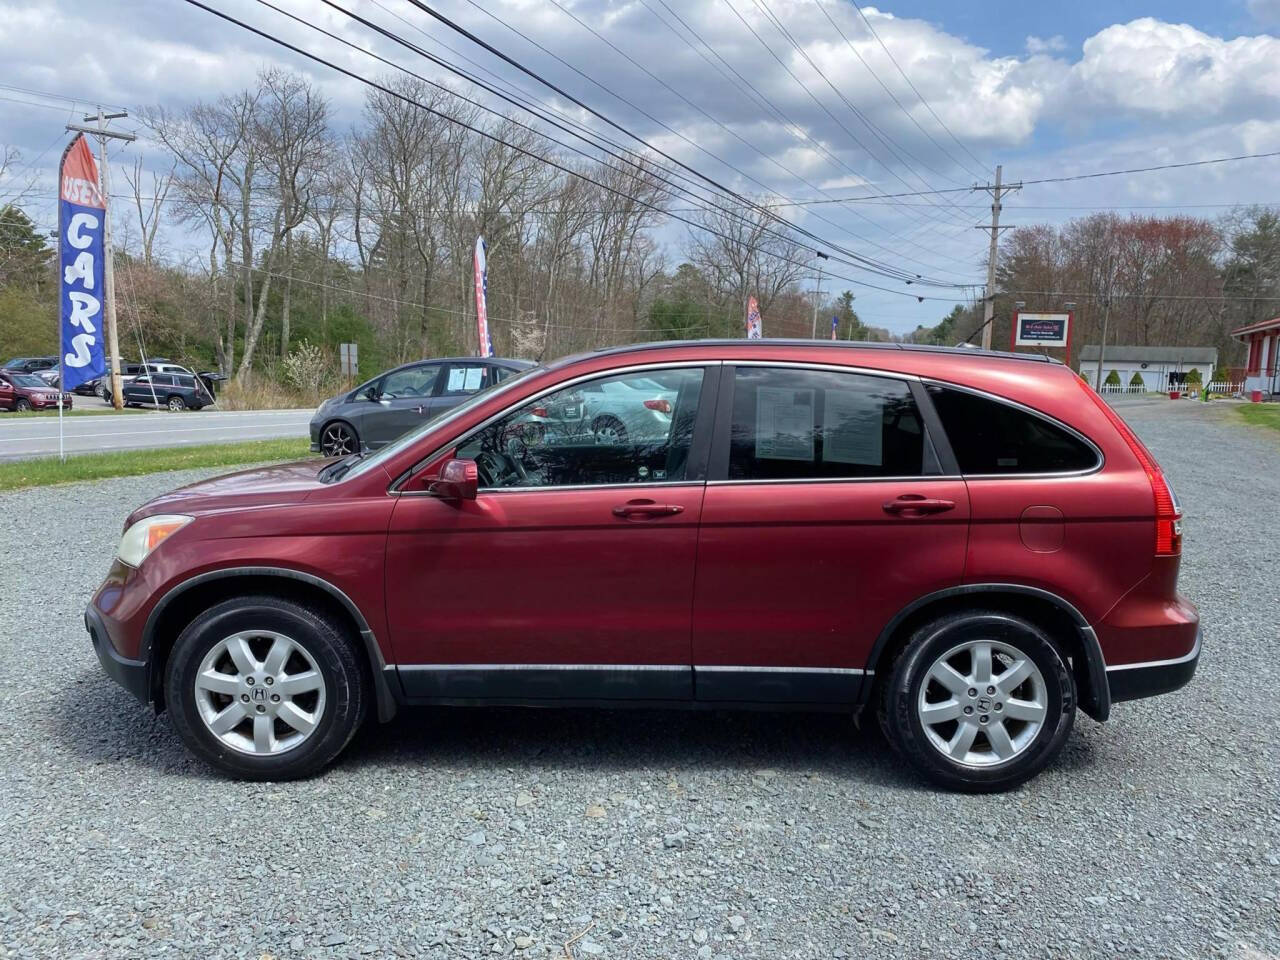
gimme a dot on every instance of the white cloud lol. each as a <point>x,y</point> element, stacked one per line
<point>1054,44</point>
<point>1150,67</point>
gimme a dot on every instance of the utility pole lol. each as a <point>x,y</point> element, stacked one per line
<point>108,272</point>
<point>817,296</point>
<point>997,191</point>
<point>1102,347</point>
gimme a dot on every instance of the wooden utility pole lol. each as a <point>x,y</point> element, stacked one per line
<point>817,296</point>
<point>108,270</point>
<point>997,191</point>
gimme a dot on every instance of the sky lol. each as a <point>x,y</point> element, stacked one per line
<point>784,99</point>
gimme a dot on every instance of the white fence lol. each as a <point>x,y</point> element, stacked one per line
<point>1228,389</point>
<point>1122,388</point>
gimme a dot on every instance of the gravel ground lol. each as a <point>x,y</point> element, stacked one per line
<point>470,833</point>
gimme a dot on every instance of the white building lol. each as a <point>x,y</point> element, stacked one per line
<point>1263,363</point>
<point>1152,364</point>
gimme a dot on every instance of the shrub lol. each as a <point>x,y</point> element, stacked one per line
<point>1136,380</point>
<point>307,368</point>
<point>1113,379</point>
<point>1193,376</point>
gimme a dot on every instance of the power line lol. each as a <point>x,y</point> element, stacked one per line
<point>524,152</point>
<point>885,269</point>
<point>74,101</point>
<point>733,133</point>
<point>889,142</point>
<point>907,113</point>
<point>743,86</point>
<point>1027,183</point>
<point>800,83</point>
<point>894,60</point>
<point>858,261</point>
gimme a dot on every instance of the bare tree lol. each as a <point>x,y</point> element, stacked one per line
<point>149,207</point>
<point>290,128</point>
<point>746,253</point>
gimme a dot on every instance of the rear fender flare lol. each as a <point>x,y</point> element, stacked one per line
<point>1095,701</point>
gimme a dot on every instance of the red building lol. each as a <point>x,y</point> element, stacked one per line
<point>1261,369</point>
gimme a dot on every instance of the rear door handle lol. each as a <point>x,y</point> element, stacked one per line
<point>914,505</point>
<point>646,510</point>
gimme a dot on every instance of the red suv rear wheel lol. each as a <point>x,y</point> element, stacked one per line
<point>979,701</point>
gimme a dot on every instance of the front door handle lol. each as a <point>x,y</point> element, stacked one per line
<point>914,505</point>
<point>646,510</point>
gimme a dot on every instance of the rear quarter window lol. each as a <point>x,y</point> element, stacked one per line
<point>992,437</point>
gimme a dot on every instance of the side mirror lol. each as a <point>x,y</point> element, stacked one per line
<point>458,480</point>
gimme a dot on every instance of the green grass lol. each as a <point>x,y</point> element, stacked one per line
<point>74,412</point>
<point>1261,414</point>
<point>44,471</point>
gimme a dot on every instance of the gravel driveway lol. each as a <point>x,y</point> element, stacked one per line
<point>472,833</point>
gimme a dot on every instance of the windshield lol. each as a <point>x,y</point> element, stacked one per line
<point>409,439</point>
<point>27,380</point>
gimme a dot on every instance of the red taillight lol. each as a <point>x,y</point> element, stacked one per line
<point>661,404</point>
<point>1168,516</point>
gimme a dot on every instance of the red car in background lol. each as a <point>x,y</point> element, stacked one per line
<point>969,544</point>
<point>26,391</point>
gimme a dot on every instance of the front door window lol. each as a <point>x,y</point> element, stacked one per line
<point>634,428</point>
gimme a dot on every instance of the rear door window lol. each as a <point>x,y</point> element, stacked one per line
<point>464,379</point>
<point>795,424</point>
<point>991,437</point>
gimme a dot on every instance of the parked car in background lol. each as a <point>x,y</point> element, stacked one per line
<point>381,409</point>
<point>131,371</point>
<point>30,364</point>
<point>608,412</point>
<point>26,391</point>
<point>969,545</point>
<point>174,391</point>
<point>52,376</point>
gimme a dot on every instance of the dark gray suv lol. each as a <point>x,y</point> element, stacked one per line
<point>379,410</point>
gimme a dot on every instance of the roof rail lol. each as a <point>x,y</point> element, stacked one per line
<point>959,349</point>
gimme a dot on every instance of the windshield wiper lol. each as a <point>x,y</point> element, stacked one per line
<point>335,471</point>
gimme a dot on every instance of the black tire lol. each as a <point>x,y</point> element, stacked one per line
<point>339,439</point>
<point>345,677</point>
<point>900,692</point>
<point>608,422</point>
<point>176,404</point>
<point>22,405</point>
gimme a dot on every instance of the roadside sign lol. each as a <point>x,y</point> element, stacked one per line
<point>1041,329</point>
<point>349,359</point>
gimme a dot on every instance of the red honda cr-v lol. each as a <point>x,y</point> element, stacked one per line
<point>973,544</point>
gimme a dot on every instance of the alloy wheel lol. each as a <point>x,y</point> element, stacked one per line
<point>982,703</point>
<point>609,432</point>
<point>260,692</point>
<point>337,441</point>
<point>176,404</point>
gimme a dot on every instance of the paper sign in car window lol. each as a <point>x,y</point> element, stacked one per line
<point>784,424</point>
<point>853,428</point>
<point>456,377</point>
<point>472,380</point>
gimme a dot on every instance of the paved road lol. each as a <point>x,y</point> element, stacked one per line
<point>38,436</point>
<point>471,834</point>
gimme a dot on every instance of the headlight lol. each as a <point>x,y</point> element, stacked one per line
<point>147,534</point>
